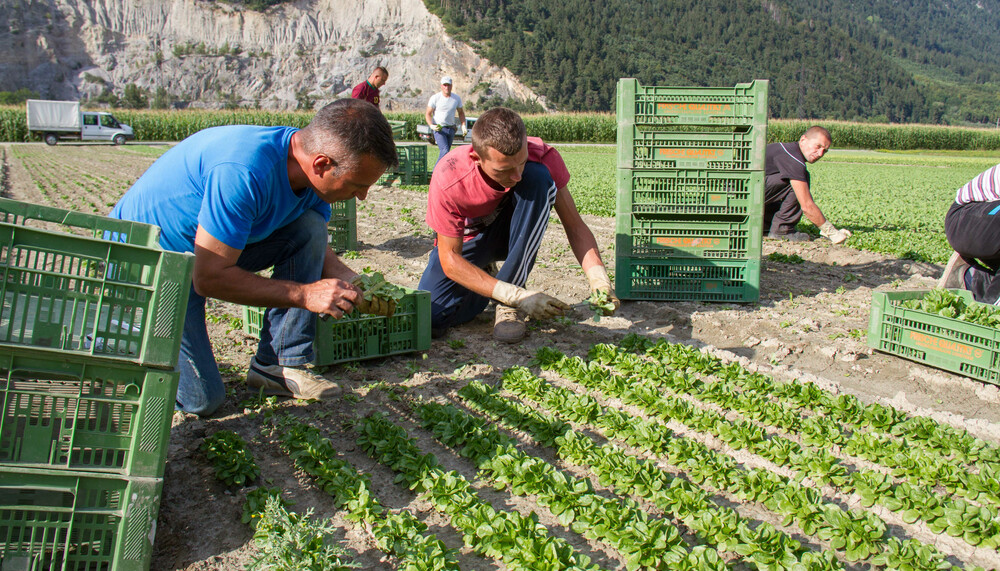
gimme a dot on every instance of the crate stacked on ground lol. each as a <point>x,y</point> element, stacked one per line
<point>412,167</point>
<point>90,326</point>
<point>357,336</point>
<point>690,191</point>
<point>343,225</point>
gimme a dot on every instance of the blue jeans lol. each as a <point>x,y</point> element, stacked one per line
<point>297,252</point>
<point>514,237</point>
<point>443,138</point>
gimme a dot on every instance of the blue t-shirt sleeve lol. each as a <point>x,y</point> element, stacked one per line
<point>230,205</point>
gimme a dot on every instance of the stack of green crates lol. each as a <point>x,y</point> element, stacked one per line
<point>90,327</point>
<point>690,191</point>
<point>412,167</point>
<point>343,225</point>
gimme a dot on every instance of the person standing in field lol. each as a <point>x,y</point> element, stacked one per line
<point>245,198</point>
<point>369,89</point>
<point>786,188</point>
<point>490,202</point>
<point>440,116</point>
<point>972,226</point>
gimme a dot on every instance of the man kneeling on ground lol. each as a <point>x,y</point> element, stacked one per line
<point>490,202</point>
<point>246,198</point>
<point>786,188</point>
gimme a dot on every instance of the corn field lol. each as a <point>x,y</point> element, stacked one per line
<point>559,127</point>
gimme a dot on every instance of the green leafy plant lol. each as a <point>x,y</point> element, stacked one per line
<point>294,542</point>
<point>233,463</point>
<point>601,304</point>
<point>374,285</point>
<point>785,258</point>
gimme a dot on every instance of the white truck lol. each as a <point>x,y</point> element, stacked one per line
<point>55,120</point>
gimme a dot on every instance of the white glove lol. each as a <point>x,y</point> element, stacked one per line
<point>465,130</point>
<point>830,231</point>
<point>599,281</point>
<point>536,304</point>
<point>435,127</point>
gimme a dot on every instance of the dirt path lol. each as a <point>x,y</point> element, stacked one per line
<point>810,323</point>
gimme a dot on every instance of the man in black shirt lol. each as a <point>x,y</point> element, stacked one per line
<point>786,188</point>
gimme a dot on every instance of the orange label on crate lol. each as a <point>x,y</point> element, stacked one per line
<point>693,153</point>
<point>689,242</point>
<point>946,346</point>
<point>695,107</point>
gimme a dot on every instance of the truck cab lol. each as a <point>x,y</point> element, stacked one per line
<point>100,126</point>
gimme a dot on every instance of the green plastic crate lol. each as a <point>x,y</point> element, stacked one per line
<point>343,225</point>
<point>639,236</point>
<point>60,220</point>
<point>713,150</point>
<point>960,347</point>
<point>357,336</point>
<point>74,521</point>
<point>687,280</point>
<point>691,193</point>
<point>662,106</point>
<point>398,128</point>
<point>90,297</point>
<point>412,167</point>
<point>84,414</point>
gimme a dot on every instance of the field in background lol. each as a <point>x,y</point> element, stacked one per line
<point>563,127</point>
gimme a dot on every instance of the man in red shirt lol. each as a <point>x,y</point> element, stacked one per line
<point>368,89</point>
<point>490,201</point>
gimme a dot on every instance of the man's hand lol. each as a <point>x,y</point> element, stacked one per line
<point>331,297</point>
<point>599,281</point>
<point>374,306</point>
<point>435,127</point>
<point>465,130</point>
<point>536,304</point>
<point>830,231</point>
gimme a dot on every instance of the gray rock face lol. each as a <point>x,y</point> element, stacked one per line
<point>208,54</point>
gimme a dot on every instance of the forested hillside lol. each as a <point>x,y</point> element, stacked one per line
<point>901,61</point>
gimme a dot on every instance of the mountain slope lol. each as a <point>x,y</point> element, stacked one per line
<point>214,54</point>
<point>839,60</point>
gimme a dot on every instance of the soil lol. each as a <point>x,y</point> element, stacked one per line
<point>810,324</point>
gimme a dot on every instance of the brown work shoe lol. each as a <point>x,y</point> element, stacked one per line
<point>953,276</point>
<point>509,325</point>
<point>298,382</point>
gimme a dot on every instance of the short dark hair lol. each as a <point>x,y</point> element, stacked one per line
<point>382,69</point>
<point>500,128</point>
<point>351,126</point>
<point>815,131</point>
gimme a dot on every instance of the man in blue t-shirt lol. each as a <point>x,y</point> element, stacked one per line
<point>245,198</point>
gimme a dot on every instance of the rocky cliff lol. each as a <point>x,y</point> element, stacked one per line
<point>211,54</point>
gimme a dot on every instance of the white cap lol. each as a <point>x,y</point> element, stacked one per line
<point>446,80</point>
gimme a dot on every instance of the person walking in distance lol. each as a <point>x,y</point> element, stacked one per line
<point>441,117</point>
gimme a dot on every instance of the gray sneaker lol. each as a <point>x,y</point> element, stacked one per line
<point>792,236</point>
<point>509,325</point>
<point>298,382</point>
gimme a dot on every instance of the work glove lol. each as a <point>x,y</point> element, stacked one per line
<point>435,127</point>
<point>830,231</point>
<point>374,306</point>
<point>599,281</point>
<point>465,131</point>
<point>536,304</point>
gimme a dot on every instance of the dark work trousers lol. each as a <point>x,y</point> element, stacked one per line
<point>781,211</point>
<point>514,237</point>
<point>973,230</point>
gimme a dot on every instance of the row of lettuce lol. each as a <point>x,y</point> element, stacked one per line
<point>563,127</point>
<point>819,464</point>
